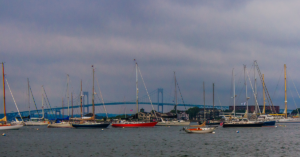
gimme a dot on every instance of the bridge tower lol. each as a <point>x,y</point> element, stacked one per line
<point>85,102</point>
<point>160,91</point>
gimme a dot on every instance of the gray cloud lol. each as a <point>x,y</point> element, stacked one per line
<point>200,40</point>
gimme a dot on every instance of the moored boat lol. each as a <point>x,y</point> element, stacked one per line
<point>133,124</point>
<point>3,122</point>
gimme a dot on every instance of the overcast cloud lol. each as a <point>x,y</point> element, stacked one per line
<point>200,40</point>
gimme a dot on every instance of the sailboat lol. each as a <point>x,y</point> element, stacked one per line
<point>286,119</point>
<point>3,122</point>
<point>174,122</point>
<point>213,121</point>
<point>36,121</point>
<point>59,123</point>
<point>244,122</point>
<point>91,122</point>
<point>199,129</point>
<point>123,123</point>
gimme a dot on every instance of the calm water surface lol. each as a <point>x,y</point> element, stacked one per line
<point>157,141</point>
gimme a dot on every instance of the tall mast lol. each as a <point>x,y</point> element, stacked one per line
<point>137,90</point>
<point>264,99</point>
<point>213,100</point>
<point>28,97</point>
<point>255,92</point>
<point>62,107</point>
<point>204,100</point>
<point>81,99</point>
<point>233,91</point>
<point>246,90</point>
<point>285,93</point>
<point>68,95</point>
<point>93,96</point>
<point>4,93</point>
<point>43,103</point>
<point>175,92</point>
<point>72,103</point>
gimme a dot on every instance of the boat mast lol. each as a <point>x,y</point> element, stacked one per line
<point>204,101</point>
<point>233,92</point>
<point>81,99</point>
<point>264,99</point>
<point>62,107</point>
<point>137,90</point>
<point>255,92</point>
<point>246,89</point>
<point>213,101</point>
<point>93,96</point>
<point>43,103</point>
<point>285,93</point>
<point>28,97</point>
<point>4,92</point>
<point>175,92</point>
<point>68,95</point>
<point>72,103</point>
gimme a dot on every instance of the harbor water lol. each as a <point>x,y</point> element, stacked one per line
<point>156,141</point>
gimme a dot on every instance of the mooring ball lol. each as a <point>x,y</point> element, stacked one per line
<point>3,134</point>
<point>275,126</point>
<point>237,131</point>
<point>213,132</point>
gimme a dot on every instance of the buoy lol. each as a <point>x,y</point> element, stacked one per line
<point>37,129</point>
<point>123,127</point>
<point>213,132</point>
<point>275,126</point>
<point>102,129</point>
<point>3,134</point>
<point>237,131</point>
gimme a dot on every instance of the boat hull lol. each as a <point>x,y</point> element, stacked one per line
<point>269,123</point>
<point>30,123</point>
<point>83,126</point>
<point>134,125</point>
<point>172,123</point>
<point>202,131</point>
<point>243,125</point>
<point>60,125</point>
<point>10,127</point>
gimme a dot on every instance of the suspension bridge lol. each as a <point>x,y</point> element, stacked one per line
<point>158,105</point>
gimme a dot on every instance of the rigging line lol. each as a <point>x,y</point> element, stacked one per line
<point>101,98</point>
<point>278,82</point>
<point>14,99</point>
<point>34,101</point>
<point>181,95</point>
<point>147,92</point>
<point>253,93</point>
<point>47,106</point>
<point>293,98</point>
<point>47,99</point>
<point>219,101</point>
<point>297,93</point>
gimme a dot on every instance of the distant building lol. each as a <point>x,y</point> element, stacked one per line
<point>209,114</point>
<point>183,115</point>
<point>252,108</point>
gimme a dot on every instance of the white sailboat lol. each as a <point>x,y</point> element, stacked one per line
<point>67,123</point>
<point>3,122</point>
<point>174,122</point>
<point>37,121</point>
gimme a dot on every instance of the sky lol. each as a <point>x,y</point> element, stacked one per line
<point>202,41</point>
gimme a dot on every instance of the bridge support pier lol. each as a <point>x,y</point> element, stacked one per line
<point>160,91</point>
